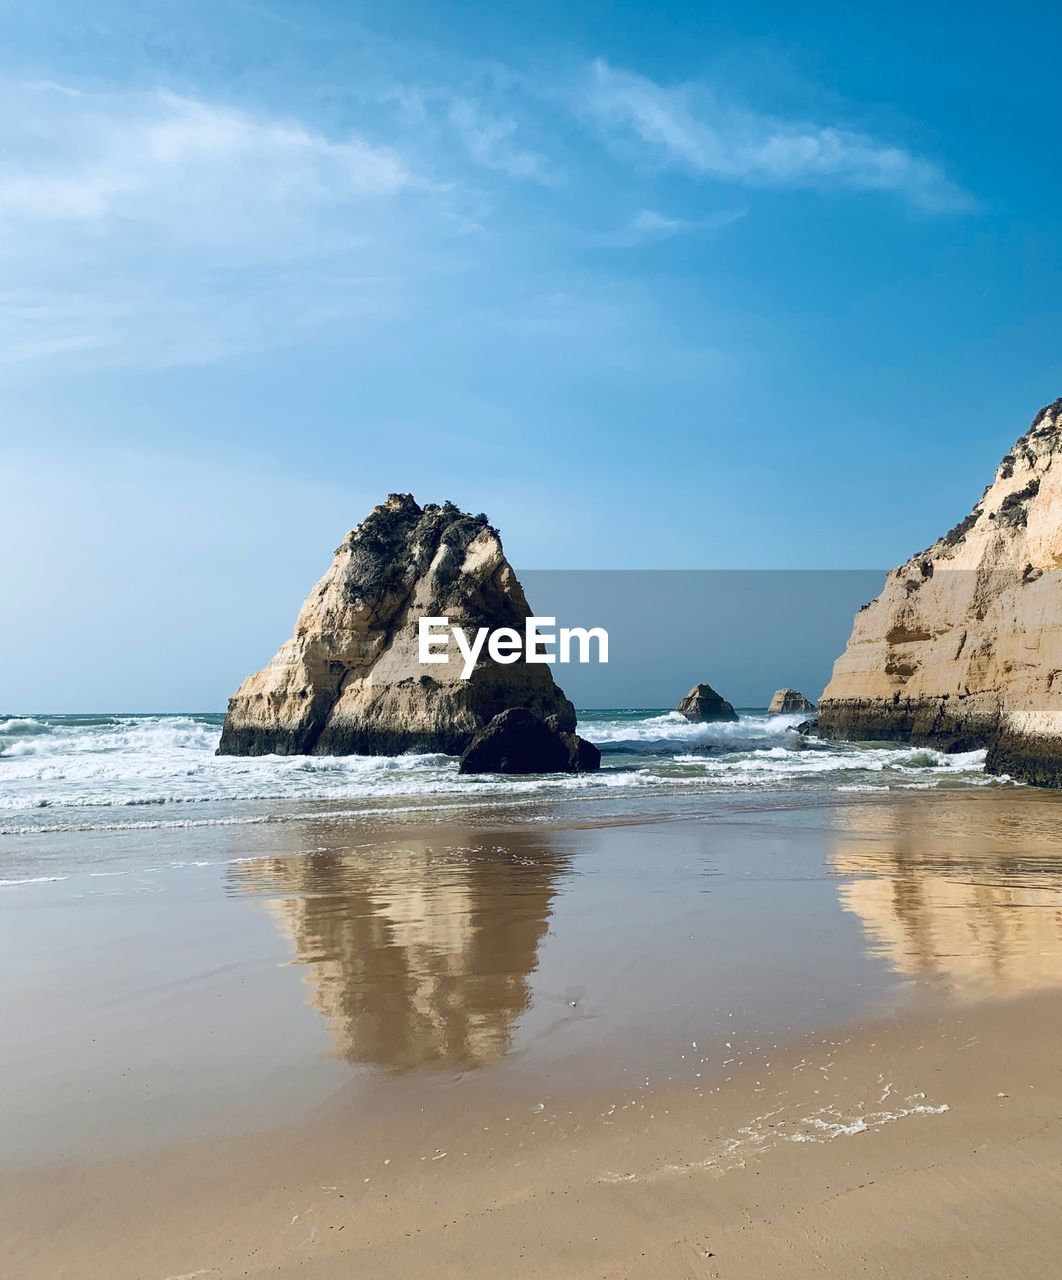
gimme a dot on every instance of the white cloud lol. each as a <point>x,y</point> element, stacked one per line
<point>70,155</point>
<point>490,136</point>
<point>648,225</point>
<point>489,140</point>
<point>149,227</point>
<point>687,127</point>
<point>158,227</point>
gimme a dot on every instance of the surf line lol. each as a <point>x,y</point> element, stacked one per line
<point>537,643</point>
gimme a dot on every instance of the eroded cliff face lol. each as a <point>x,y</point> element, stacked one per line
<point>963,648</point>
<point>349,681</point>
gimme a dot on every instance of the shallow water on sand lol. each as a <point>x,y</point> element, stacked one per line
<point>173,983</point>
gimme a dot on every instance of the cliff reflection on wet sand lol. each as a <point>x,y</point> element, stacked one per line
<point>964,891</point>
<point>418,949</point>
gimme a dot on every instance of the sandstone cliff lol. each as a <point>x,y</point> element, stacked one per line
<point>349,681</point>
<point>963,648</point>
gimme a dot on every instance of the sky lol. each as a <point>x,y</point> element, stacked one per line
<point>679,286</point>
<point>747,632</point>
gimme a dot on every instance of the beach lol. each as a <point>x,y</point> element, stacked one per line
<point>531,680</point>
<point>920,1146</point>
<point>672,1019</point>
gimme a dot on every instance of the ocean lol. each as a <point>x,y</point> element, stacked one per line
<point>113,772</point>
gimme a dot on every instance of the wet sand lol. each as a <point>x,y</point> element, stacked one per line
<point>792,1038</point>
<point>926,1147</point>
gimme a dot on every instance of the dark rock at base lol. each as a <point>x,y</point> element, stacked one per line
<point>583,756</point>
<point>1036,760</point>
<point>703,705</point>
<point>809,728</point>
<point>518,741</point>
<point>922,722</point>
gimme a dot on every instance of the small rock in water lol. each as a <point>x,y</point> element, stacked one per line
<point>519,741</point>
<point>786,701</point>
<point>702,705</point>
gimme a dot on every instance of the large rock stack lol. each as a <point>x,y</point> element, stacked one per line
<point>963,648</point>
<point>350,681</point>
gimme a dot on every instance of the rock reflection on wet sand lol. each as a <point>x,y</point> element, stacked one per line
<point>417,951</point>
<point>965,892</point>
<point>269,967</point>
<point>421,948</point>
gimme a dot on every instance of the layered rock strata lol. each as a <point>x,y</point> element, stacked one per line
<point>963,647</point>
<point>350,680</point>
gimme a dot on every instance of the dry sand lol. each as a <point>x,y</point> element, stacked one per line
<point>923,1146</point>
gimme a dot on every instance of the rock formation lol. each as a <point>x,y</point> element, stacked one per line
<point>702,704</point>
<point>786,701</point>
<point>349,681</point>
<point>963,648</point>
<point>518,741</point>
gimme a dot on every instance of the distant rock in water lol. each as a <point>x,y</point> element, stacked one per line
<point>786,701</point>
<point>349,681</point>
<point>518,741</point>
<point>702,705</point>
<point>963,648</point>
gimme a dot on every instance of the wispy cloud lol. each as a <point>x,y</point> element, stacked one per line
<point>649,225</point>
<point>151,227</point>
<point>691,128</point>
<point>491,140</point>
<point>130,156</point>
<point>490,135</point>
<point>131,221</point>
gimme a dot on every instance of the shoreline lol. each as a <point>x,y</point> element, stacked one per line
<point>578,1043</point>
<point>938,1113</point>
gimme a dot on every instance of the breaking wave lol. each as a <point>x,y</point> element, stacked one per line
<point>90,772</point>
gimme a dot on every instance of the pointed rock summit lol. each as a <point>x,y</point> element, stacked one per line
<point>963,648</point>
<point>786,701</point>
<point>703,705</point>
<point>349,681</point>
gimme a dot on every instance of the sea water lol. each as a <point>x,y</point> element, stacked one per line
<point>114,772</point>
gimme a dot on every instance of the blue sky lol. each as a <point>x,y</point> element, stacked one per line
<point>681,286</point>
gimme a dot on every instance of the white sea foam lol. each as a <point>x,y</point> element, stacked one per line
<point>22,724</point>
<point>90,772</point>
<point>829,1123</point>
<point>670,733</point>
<point>10,884</point>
